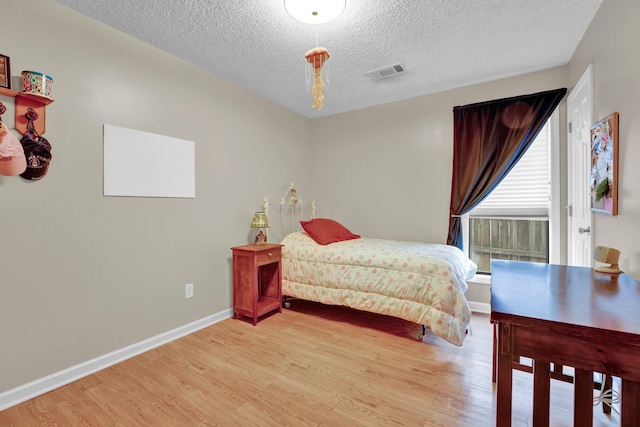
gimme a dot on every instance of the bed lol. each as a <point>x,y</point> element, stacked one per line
<point>418,282</point>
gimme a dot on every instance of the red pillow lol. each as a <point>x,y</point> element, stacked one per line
<point>325,231</point>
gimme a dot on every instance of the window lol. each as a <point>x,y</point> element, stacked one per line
<point>517,220</point>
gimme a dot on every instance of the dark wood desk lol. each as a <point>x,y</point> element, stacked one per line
<point>568,315</point>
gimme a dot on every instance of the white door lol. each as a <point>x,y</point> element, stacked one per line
<point>579,117</point>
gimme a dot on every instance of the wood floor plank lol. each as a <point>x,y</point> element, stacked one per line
<point>311,365</point>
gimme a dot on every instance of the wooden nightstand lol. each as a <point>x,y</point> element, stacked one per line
<point>257,280</point>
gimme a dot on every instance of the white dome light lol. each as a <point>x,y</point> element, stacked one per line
<point>315,11</point>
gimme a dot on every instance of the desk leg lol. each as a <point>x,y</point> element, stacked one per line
<point>494,355</point>
<point>630,398</point>
<point>505,376</point>
<point>541,386</point>
<point>608,385</point>
<point>583,398</point>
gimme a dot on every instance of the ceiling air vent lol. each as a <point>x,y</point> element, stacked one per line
<point>388,71</point>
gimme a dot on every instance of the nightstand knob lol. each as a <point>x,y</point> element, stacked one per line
<point>269,253</point>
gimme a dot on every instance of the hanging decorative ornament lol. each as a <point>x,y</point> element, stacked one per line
<point>316,57</point>
<point>316,12</point>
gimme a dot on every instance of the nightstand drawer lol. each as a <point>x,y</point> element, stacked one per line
<point>267,257</point>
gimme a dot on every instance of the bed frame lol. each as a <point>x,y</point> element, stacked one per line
<point>292,208</point>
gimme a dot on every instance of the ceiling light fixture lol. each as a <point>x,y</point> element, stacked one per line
<point>315,11</point>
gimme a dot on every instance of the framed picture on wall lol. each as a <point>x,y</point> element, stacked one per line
<point>603,180</point>
<point>5,72</point>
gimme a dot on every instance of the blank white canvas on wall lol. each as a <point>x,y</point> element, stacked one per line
<point>144,164</point>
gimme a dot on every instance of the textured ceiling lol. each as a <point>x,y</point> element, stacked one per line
<point>443,44</point>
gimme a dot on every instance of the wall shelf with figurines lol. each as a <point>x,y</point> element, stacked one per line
<point>24,101</point>
<point>36,94</point>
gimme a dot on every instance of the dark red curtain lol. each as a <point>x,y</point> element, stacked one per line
<point>489,138</point>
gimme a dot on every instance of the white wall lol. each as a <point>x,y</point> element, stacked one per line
<point>386,171</point>
<point>82,275</point>
<point>611,45</point>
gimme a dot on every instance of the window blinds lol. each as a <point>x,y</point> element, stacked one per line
<point>525,192</point>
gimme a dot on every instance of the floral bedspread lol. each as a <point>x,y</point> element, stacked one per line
<point>422,283</point>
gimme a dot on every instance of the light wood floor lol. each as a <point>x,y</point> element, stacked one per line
<point>312,365</point>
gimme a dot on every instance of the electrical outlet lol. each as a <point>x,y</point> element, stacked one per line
<point>188,291</point>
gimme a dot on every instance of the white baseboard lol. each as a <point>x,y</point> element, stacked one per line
<point>480,307</point>
<point>43,385</point>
